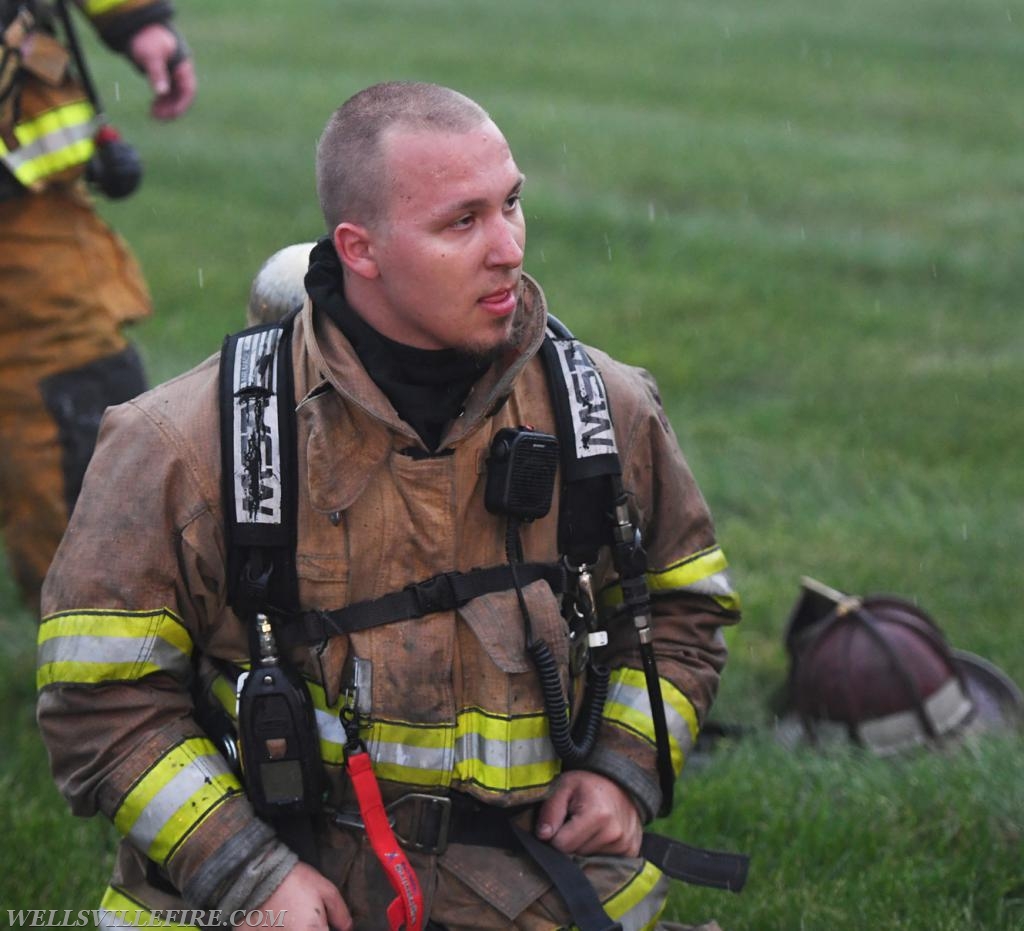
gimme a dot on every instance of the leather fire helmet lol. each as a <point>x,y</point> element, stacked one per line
<point>879,672</point>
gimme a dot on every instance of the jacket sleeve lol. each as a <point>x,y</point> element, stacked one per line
<point>691,596</point>
<point>117,21</point>
<point>129,599</point>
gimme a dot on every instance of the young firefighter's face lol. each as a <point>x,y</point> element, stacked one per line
<point>449,249</point>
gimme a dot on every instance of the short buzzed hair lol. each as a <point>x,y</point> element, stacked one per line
<point>350,179</point>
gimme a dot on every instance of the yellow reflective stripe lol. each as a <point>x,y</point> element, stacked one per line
<point>50,163</point>
<point>118,910</point>
<point>629,706</point>
<point>504,753</point>
<point>174,797</point>
<point>413,754</point>
<point>497,753</point>
<point>96,7</point>
<point>638,905</point>
<point>687,571</point>
<point>703,573</point>
<point>223,690</point>
<point>54,121</point>
<point>90,647</point>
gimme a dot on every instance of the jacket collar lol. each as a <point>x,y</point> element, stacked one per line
<point>345,411</point>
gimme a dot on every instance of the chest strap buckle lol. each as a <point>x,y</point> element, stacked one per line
<point>434,594</point>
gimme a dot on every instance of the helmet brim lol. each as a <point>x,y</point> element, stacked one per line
<point>998,702</point>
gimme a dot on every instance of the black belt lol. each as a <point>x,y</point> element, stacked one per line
<point>441,592</point>
<point>429,823</point>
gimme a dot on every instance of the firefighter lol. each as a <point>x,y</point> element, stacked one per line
<point>68,284</point>
<point>416,355</point>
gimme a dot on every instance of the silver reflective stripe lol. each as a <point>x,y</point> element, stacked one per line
<point>115,650</point>
<point>717,585</point>
<point>166,803</point>
<point>428,759</point>
<point>588,401</point>
<point>503,754</point>
<point>637,700</point>
<point>329,725</point>
<point>254,428</point>
<point>644,915</point>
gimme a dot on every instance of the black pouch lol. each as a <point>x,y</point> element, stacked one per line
<point>76,399</point>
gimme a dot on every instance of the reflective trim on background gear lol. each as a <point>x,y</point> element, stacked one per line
<point>52,142</point>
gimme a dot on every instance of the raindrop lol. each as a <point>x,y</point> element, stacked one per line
<point>117,91</point>
<point>200,271</point>
<point>608,245</point>
<point>963,531</point>
<point>650,211</point>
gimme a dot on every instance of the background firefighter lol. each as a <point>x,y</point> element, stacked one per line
<point>68,283</point>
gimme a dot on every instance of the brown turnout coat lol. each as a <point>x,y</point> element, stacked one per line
<point>147,540</point>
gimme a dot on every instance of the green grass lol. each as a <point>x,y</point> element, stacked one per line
<point>806,219</point>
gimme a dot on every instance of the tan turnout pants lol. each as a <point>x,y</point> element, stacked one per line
<point>67,284</point>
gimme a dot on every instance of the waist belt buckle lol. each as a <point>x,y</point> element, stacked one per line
<point>421,822</point>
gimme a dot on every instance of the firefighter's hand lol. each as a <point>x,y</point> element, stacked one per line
<point>309,902</point>
<point>162,56</point>
<point>588,814</point>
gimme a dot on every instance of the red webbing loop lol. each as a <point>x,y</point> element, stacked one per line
<point>405,913</point>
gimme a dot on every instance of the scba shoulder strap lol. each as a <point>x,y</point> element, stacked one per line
<point>259,462</point>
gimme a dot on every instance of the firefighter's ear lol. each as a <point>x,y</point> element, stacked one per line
<point>354,245</point>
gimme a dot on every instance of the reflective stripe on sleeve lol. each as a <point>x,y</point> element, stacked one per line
<point>174,796</point>
<point>703,573</point>
<point>118,910</point>
<point>629,706</point>
<point>96,7</point>
<point>93,647</point>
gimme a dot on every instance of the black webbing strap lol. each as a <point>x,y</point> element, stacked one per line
<point>568,878</point>
<point>442,592</point>
<point>715,868</point>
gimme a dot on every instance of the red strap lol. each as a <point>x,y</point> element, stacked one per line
<point>405,913</point>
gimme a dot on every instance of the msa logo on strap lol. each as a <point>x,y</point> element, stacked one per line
<point>588,402</point>
<point>257,450</point>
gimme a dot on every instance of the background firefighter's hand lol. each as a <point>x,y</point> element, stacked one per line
<point>588,814</point>
<point>162,56</point>
<point>309,902</point>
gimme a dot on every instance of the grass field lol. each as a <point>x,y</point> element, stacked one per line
<point>806,219</point>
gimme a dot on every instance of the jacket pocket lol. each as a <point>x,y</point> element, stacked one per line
<point>497,671</point>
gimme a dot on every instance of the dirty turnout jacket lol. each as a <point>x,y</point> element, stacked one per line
<point>136,624</point>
